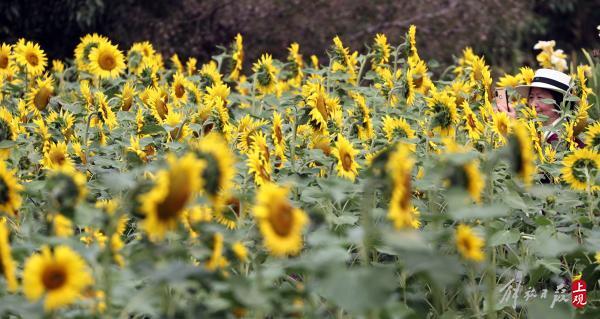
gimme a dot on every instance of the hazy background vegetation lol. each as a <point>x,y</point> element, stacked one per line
<point>505,31</point>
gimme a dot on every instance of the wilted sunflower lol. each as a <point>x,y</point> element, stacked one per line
<point>592,136</point>
<point>442,109</point>
<point>174,188</point>
<point>521,152</point>
<point>580,168</point>
<point>56,156</point>
<point>39,95</point>
<point>7,264</point>
<point>30,56</point>
<point>346,163</point>
<point>399,167</point>
<point>469,244</point>
<point>219,171</point>
<point>280,223</point>
<point>265,74</point>
<point>58,274</point>
<point>106,61</point>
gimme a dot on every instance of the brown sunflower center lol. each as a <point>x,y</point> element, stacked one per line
<point>54,277</point>
<point>41,99</point>
<point>281,218</point>
<point>347,161</point>
<point>32,59</point>
<point>58,157</point>
<point>465,243</point>
<point>107,61</point>
<point>161,108</point>
<point>471,121</point>
<point>178,196</point>
<point>3,61</point>
<point>179,91</point>
<point>502,128</point>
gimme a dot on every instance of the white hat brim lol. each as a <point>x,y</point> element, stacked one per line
<point>523,90</point>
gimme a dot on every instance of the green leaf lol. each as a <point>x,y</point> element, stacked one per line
<point>504,237</point>
<point>475,212</point>
<point>7,144</point>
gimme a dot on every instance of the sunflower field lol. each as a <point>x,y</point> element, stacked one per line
<point>137,186</point>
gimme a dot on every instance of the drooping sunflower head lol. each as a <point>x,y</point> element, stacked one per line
<point>58,274</point>
<point>280,223</point>
<point>106,61</point>
<point>30,56</point>
<point>521,152</point>
<point>265,74</point>
<point>580,169</point>
<point>469,244</point>
<point>346,158</point>
<point>174,188</point>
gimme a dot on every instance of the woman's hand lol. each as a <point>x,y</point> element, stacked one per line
<point>503,106</point>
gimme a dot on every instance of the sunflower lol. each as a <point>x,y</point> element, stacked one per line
<point>473,126</point>
<point>280,223</point>
<point>63,121</point>
<point>399,167</point>
<point>85,46</point>
<point>592,136</point>
<point>422,82</point>
<point>173,190</point>
<point>6,58</point>
<point>217,260</point>
<point>526,75</point>
<point>345,154</point>
<point>521,152</point>
<point>126,95</point>
<point>397,128</point>
<point>265,74</point>
<point>7,264</point>
<point>381,50</point>
<point>238,57</point>
<point>220,167</point>
<point>470,178</point>
<point>240,251</point>
<point>66,188</point>
<point>209,75</point>
<point>501,126</point>
<point>364,125</point>
<point>8,130</point>
<point>59,274</point>
<point>509,81</point>
<point>39,95</point>
<point>277,135</point>
<point>157,101</point>
<point>106,61</point>
<point>412,40</point>
<point>218,90</point>
<point>30,56</point>
<point>296,64</point>
<point>579,169</point>
<point>56,155</point>
<point>469,244</point>
<point>179,88</point>
<point>442,109</point>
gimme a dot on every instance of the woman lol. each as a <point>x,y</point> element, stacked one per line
<point>546,85</point>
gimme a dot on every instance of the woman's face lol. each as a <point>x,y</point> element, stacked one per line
<point>536,95</point>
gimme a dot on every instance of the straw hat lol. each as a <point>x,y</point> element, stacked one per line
<point>547,79</point>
